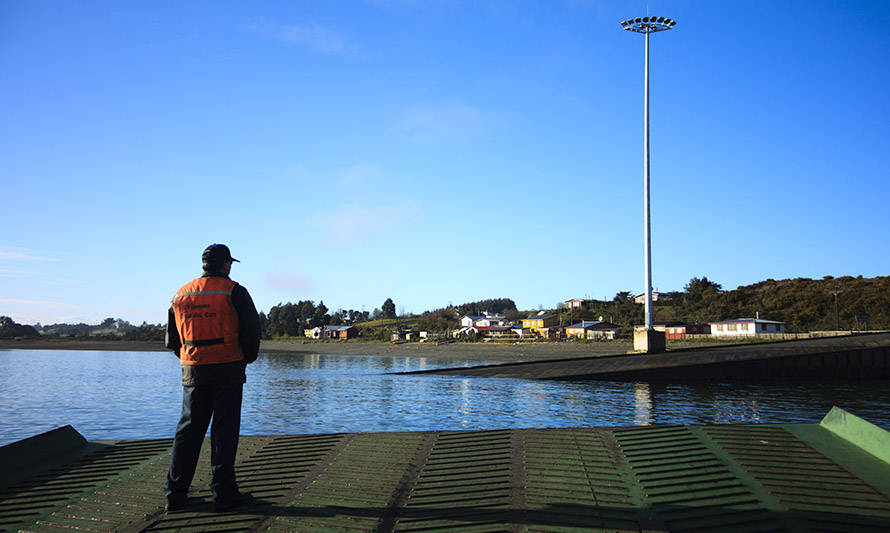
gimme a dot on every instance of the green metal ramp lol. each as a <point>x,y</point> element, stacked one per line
<point>802,477</point>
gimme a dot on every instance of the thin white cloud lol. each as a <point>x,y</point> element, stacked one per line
<point>313,36</point>
<point>290,281</point>
<point>22,254</point>
<point>352,223</point>
<point>40,303</point>
<point>31,319</point>
<point>359,175</point>
<point>6,273</point>
<point>393,4</point>
<point>413,6</point>
<point>449,122</point>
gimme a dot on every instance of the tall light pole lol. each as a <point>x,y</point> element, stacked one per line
<point>647,25</point>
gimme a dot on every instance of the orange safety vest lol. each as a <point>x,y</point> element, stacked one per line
<point>207,322</point>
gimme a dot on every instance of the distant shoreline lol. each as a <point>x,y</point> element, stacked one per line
<point>478,351</point>
<point>500,352</point>
<point>470,351</point>
<point>73,344</point>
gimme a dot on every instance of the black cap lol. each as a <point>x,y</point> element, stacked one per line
<point>217,254</point>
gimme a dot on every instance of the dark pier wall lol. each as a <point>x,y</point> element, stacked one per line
<point>850,357</point>
<point>867,363</point>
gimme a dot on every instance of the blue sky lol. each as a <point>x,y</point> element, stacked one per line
<point>432,152</point>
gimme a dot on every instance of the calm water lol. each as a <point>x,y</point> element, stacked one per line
<point>136,395</point>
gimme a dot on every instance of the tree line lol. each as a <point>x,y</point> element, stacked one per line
<point>448,318</point>
<point>803,304</point>
<point>293,319</point>
<point>10,329</point>
<point>110,328</point>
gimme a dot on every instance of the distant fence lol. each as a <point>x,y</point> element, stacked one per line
<point>764,336</point>
<point>779,336</point>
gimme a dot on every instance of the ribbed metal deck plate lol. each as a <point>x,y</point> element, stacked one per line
<point>656,478</point>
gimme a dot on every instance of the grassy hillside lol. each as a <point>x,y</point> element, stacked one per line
<point>804,304</point>
<point>808,304</point>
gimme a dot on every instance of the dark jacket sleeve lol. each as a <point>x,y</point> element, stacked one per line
<point>171,339</point>
<point>248,323</point>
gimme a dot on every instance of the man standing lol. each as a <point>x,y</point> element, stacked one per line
<point>214,330</point>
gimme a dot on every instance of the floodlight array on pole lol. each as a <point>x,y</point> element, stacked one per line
<point>647,25</point>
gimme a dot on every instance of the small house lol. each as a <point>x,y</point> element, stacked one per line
<point>641,298</point>
<point>492,320</point>
<point>522,332</point>
<point>579,330</point>
<point>604,331</point>
<point>593,329</point>
<point>468,321</point>
<point>539,322</point>
<point>551,332</point>
<point>405,335</point>
<point>486,320</point>
<point>342,332</point>
<point>746,327</point>
<point>314,333</point>
<point>664,326</point>
<point>501,332</point>
<point>575,303</point>
<point>679,331</point>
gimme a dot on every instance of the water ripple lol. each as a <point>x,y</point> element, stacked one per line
<point>136,395</point>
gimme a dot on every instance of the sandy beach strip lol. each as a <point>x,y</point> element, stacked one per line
<point>502,352</point>
<point>478,351</point>
<point>484,351</point>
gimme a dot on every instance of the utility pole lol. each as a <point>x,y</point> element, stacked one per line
<point>837,326</point>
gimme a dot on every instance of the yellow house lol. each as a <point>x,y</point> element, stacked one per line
<point>541,321</point>
<point>593,329</point>
<point>578,330</point>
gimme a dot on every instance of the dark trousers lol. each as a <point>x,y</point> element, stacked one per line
<point>222,403</point>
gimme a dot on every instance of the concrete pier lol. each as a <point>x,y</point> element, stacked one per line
<point>850,357</point>
<point>797,477</point>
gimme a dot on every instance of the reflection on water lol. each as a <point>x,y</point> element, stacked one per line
<point>464,408</point>
<point>642,404</point>
<point>117,395</point>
